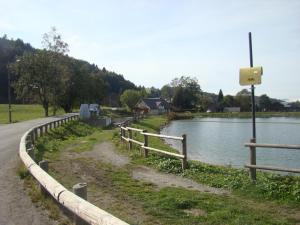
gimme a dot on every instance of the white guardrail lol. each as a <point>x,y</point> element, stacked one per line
<point>82,208</point>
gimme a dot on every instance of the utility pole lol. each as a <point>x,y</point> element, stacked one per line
<point>9,96</point>
<point>252,91</point>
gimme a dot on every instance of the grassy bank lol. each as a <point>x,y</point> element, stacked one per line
<point>23,112</point>
<point>269,186</point>
<point>114,189</point>
<point>189,115</point>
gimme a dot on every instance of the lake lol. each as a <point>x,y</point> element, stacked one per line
<point>221,140</point>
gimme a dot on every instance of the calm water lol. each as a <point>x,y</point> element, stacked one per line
<point>221,140</point>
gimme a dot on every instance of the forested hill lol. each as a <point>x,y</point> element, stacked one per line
<point>114,84</point>
<point>9,51</point>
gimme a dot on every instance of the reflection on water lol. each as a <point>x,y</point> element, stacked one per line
<point>221,140</point>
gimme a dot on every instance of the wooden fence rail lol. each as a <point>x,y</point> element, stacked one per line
<point>252,166</point>
<point>80,207</point>
<point>128,137</point>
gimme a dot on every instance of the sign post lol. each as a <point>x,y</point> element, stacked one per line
<point>251,76</point>
<point>252,91</point>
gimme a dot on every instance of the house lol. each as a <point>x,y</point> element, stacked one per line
<point>152,106</point>
<point>232,109</point>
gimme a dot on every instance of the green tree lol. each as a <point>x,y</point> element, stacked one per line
<point>167,92</point>
<point>153,92</point>
<point>265,103</point>
<point>129,98</point>
<point>229,101</point>
<point>206,101</point>
<point>243,98</point>
<point>220,103</point>
<point>187,92</point>
<point>56,47</point>
<point>34,77</point>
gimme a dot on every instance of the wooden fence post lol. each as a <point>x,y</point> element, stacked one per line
<point>145,143</point>
<point>253,160</point>
<point>184,152</point>
<point>46,128</point>
<point>130,137</point>
<point>80,190</point>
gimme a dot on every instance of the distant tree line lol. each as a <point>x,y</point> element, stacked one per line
<point>52,78</point>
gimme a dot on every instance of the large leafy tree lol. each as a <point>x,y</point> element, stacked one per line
<point>167,92</point>
<point>129,98</point>
<point>57,48</point>
<point>265,103</point>
<point>229,101</point>
<point>34,77</point>
<point>243,98</point>
<point>187,92</point>
<point>42,74</point>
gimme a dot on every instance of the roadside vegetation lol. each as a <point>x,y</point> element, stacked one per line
<point>273,199</point>
<point>21,112</point>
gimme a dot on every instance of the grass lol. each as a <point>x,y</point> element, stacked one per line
<point>143,203</point>
<point>189,115</point>
<point>23,112</point>
<point>77,136</point>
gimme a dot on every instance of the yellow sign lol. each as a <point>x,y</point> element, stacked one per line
<point>251,76</point>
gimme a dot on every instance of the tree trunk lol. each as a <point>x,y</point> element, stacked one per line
<point>46,109</point>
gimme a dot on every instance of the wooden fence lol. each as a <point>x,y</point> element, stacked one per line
<point>128,137</point>
<point>81,208</point>
<point>252,166</point>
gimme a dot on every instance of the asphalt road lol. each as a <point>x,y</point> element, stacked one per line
<point>16,207</point>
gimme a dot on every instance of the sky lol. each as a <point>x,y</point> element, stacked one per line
<point>150,42</point>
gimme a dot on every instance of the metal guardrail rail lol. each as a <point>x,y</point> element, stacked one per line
<point>80,207</point>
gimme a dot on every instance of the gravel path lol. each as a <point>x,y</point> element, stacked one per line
<point>169,180</point>
<point>106,152</point>
<point>16,207</point>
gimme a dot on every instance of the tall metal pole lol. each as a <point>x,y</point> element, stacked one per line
<point>252,91</point>
<point>9,97</point>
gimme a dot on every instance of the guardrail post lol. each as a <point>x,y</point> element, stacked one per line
<point>31,134</point>
<point>146,152</point>
<point>46,128</point>
<point>80,190</point>
<point>121,133</point>
<point>41,131</point>
<point>184,152</point>
<point>35,133</point>
<point>44,165</point>
<point>28,142</point>
<point>30,152</point>
<point>253,160</point>
<point>130,137</point>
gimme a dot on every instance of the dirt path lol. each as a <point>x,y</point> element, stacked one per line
<point>106,152</point>
<point>169,180</point>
